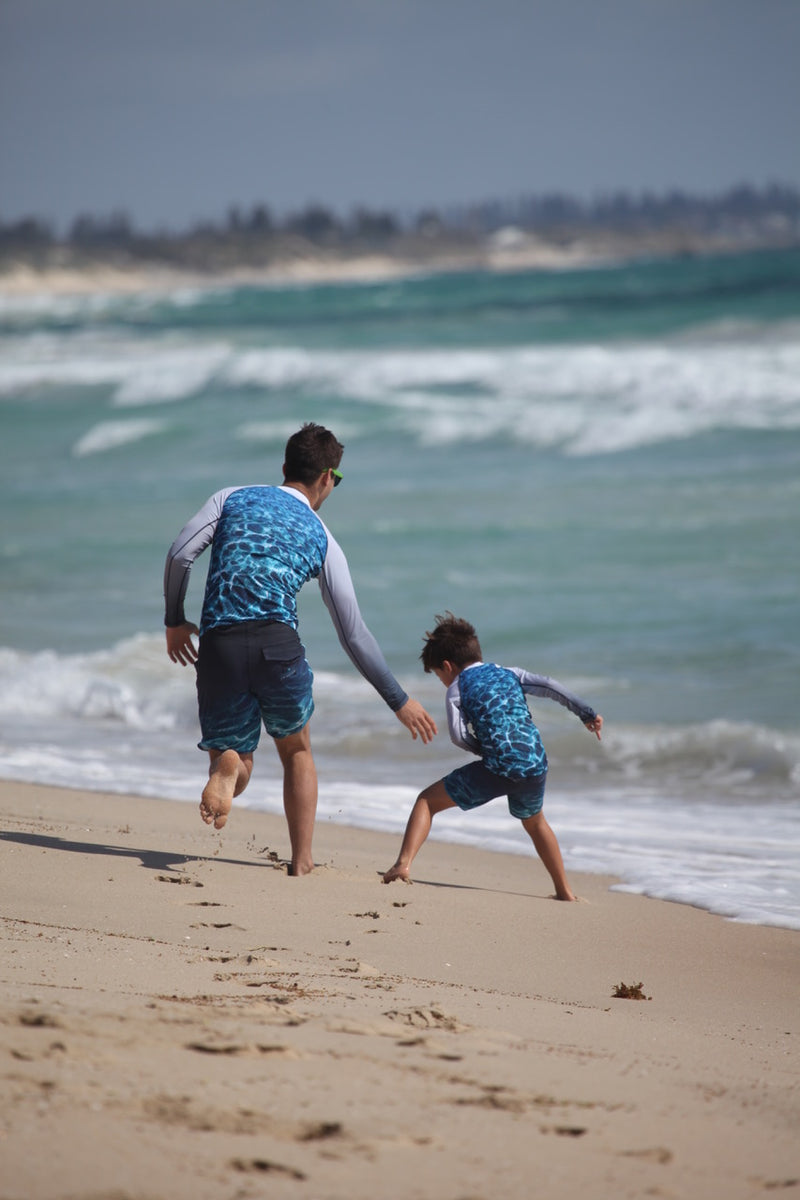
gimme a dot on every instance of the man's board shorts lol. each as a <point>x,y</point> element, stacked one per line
<point>247,673</point>
<point>472,785</point>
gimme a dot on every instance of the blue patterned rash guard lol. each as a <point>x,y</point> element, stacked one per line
<point>266,543</point>
<point>487,714</point>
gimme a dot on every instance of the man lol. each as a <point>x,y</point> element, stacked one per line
<point>266,542</point>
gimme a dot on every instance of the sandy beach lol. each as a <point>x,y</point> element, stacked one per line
<point>180,1018</point>
<point>296,261</point>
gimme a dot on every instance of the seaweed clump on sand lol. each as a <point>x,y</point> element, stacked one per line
<point>629,991</point>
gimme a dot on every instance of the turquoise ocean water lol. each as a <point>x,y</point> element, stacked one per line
<point>599,468</point>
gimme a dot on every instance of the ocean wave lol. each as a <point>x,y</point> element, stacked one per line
<point>108,435</point>
<point>131,684</point>
<point>38,308</point>
<point>135,371</point>
<point>579,399</point>
<point>55,310</point>
<point>727,757</point>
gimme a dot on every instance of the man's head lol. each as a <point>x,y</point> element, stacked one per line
<point>453,641</point>
<point>309,453</point>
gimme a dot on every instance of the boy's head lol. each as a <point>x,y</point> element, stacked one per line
<point>453,641</point>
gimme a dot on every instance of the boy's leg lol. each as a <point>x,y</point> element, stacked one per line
<point>228,775</point>
<point>299,796</point>
<point>549,852</point>
<point>429,802</point>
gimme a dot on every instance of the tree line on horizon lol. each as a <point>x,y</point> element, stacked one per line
<point>775,208</point>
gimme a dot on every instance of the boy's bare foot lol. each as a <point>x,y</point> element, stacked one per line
<point>396,872</point>
<point>218,793</point>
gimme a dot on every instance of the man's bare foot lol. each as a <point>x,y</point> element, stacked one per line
<point>218,793</point>
<point>301,868</point>
<point>396,872</point>
<point>565,896</point>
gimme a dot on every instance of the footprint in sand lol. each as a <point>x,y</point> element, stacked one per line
<point>263,1166</point>
<point>427,1018</point>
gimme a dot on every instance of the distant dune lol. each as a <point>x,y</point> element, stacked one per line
<point>156,264</point>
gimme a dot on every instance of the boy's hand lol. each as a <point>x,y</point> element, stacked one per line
<point>595,726</point>
<point>417,720</point>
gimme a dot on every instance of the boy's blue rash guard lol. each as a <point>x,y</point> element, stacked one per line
<point>266,542</point>
<point>487,714</point>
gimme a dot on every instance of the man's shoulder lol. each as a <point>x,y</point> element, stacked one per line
<point>238,492</point>
<point>267,496</point>
<point>262,502</point>
<point>246,489</point>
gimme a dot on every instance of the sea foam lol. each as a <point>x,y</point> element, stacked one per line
<point>582,399</point>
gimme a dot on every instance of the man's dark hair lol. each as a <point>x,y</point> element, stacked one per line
<point>453,640</point>
<point>309,452</point>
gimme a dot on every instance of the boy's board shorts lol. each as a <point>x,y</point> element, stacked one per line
<point>247,673</point>
<point>472,785</point>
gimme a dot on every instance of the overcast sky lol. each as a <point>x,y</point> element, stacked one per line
<point>174,110</point>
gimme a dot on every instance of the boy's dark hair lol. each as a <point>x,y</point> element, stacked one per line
<point>453,640</point>
<point>309,452</point>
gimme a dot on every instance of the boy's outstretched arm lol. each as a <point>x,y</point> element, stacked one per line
<point>551,689</point>
<point>595,726</point>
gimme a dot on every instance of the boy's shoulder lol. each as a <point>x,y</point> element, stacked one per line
<point>481,674</point>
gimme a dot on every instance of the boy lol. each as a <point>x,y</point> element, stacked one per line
<point>487,713</point>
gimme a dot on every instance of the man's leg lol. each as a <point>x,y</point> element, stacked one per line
<point>549,852</point>
<point>228,775</point>
<point>299,796</point>
<point>429,802</point>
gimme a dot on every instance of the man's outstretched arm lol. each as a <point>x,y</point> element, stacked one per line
<point>361,647</point>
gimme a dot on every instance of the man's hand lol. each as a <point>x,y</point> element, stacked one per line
<point>417,720</point>
<point>180,646</point>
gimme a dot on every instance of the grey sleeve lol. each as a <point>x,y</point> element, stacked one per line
<point>192,540</point>
<point>357,642</point>
<point>551,689</point>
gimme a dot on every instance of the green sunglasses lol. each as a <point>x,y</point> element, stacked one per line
<point>337,477</point>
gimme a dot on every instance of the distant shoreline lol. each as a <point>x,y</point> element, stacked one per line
<point>64,271</point>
